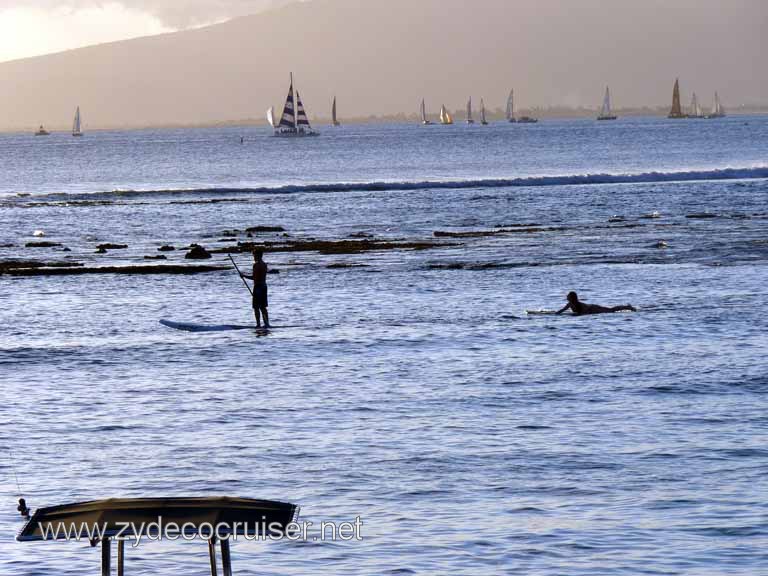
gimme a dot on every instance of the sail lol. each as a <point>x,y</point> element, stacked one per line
<point>271,116</point>
<point>423,112</point>
<point>677,110</point>
<point>288,119</point>
<point>333,112</point>
<point>301,115</point>
<point>606,109</point>
<point>695,110</point>
<point>482,112</point>
<point>76,122</point>
<point>443,113</point>
<point>511,105</point>
<point>469,111</point>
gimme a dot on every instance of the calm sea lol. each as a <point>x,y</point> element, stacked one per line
<point>408,387</point>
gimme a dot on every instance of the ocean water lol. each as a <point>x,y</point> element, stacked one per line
<point>409,387</point>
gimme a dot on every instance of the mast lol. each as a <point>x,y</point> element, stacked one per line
<point>293,103</point>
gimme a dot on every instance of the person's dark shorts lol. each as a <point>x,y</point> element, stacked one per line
<point>260,296</point>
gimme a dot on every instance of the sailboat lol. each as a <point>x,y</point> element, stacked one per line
<point>76,124</point>
<point>294,121</point>
<point>717,109</point>
<point>695,111</point>
<point>605,111</point>
<point>676,111</point>
<point>445,116</point>
<point>334,120</point>
<point>42,131</point>
<point>424,120</point>
<point>470,120</point>
<point>483,121</point>
<point>510,114</point>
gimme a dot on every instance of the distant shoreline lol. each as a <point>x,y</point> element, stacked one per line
<point>494,117</point>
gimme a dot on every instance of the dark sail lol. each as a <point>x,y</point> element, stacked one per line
<point>288,119</point>
<point>301,115</point>
<point>676,111</point>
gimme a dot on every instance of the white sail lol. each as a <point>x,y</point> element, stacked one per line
<point>424,112</point>
<point>76,123</point>
<point>606,110</point>
<point>334,120</point>
<point>470,120</point>
<point>511,106</point>
<point>445,116</point>
<point>271,116</point>
<point>695,108</point>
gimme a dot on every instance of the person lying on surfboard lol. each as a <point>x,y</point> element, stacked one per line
<point>260,296</point>
<point>580,308</point>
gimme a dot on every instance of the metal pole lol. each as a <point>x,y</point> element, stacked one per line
<point>106,556</point>
<point>212,555</point>
<point>239,273</point>
<point>226,559</point>
<point>121,558</point>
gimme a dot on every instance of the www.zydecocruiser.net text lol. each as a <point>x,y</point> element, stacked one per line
<point>159,530</point>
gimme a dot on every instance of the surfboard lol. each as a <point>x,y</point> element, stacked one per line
<point>540,312</point>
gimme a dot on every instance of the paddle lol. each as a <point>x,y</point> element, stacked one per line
<point>240,274</point>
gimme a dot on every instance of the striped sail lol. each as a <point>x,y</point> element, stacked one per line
<point>288,119</point>
<point>301,115</point>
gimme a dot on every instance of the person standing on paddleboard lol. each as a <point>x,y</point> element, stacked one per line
<point>260,296</point>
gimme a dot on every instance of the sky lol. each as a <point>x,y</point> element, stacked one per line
<point>36,27</point>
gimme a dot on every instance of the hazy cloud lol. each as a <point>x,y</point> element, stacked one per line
<point>172,13</point>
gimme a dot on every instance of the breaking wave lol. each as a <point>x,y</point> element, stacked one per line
<point>751,173</point>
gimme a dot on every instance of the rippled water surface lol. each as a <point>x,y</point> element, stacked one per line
<point>407,387</point>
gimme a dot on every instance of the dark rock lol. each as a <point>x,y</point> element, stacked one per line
<point>197,252</point>
<point>110,246</point>
<point>258,229</point>
<point>230,233</point>
<point>273,271</point>
<point>135,269</point>
<point>6,245</point>
<point>702,215</point>
<point>43,244</point>
<point>10,266</point>
<point>360,235</point>
<point>156,257</point>
<point>166,248</point>
<point>65,249</point>
<point>337,265</point>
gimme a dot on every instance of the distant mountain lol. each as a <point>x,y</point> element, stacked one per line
<point>382,57</point>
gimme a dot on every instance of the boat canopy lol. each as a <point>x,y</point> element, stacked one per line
<point>61,522</point>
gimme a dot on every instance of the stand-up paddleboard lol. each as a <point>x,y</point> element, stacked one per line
<point>188,327</point>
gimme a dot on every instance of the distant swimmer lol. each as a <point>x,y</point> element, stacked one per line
<point>581,308</point>
<point>260,297</point>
